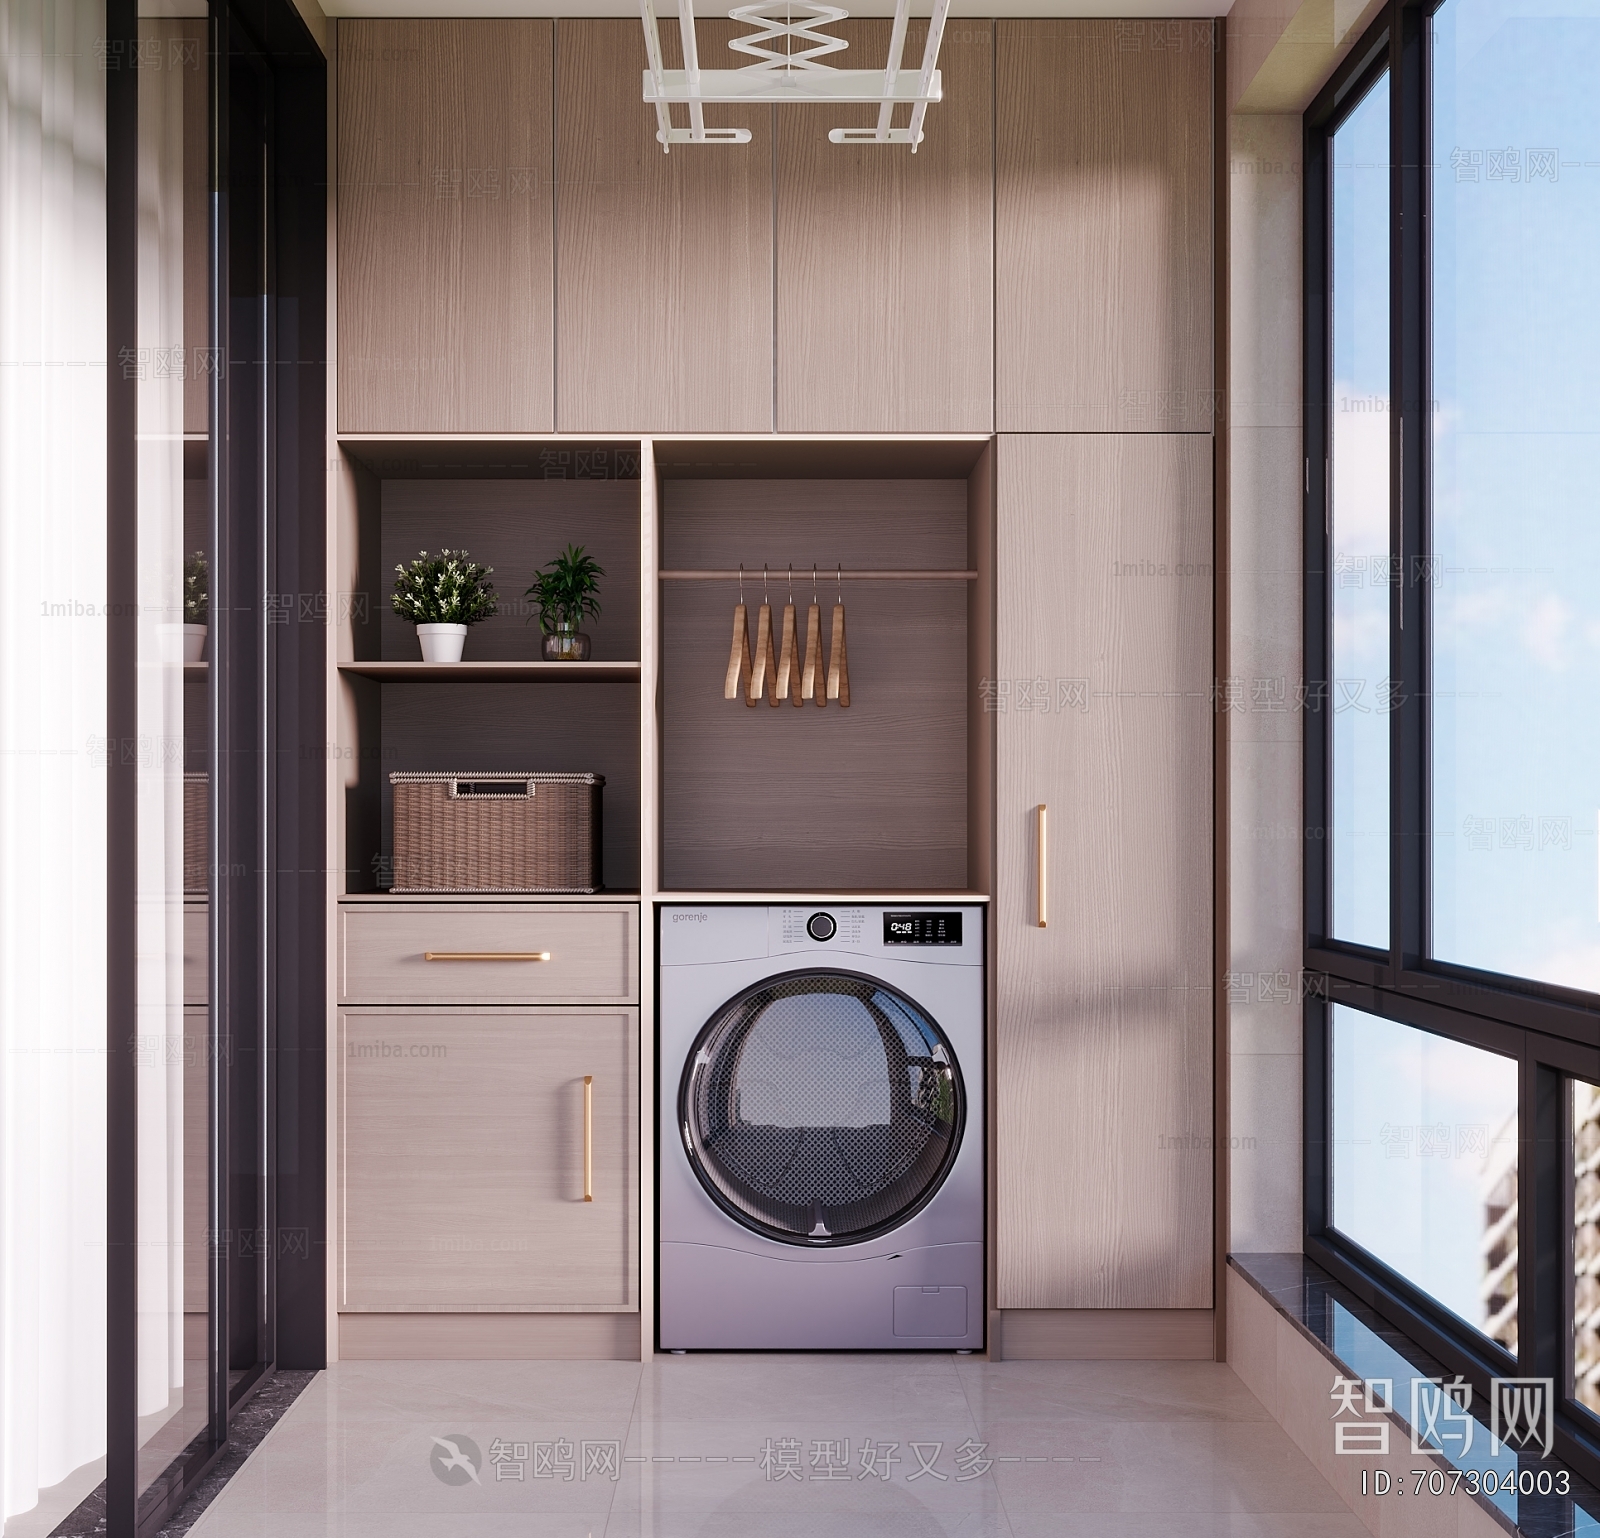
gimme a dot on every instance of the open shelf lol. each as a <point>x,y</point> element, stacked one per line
<point>887,800</point>
<point>495,672</point>
<point>513,506</point>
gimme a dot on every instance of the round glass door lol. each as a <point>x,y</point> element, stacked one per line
<point>821,1108</point>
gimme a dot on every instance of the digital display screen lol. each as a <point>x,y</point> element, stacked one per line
<point>922,929</point>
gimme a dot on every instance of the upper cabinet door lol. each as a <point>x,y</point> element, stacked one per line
<point>1103,1023</point>
<point>1103,237</point>
<point>664,310</point>
<point>444,209</point>
<point>885,313</point>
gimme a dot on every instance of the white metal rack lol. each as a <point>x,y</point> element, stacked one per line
<point>789,47</point>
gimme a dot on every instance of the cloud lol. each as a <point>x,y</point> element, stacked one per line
<point>1546,630</point>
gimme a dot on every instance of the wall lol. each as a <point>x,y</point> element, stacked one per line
<point>1264,643</point>
<point>1280,52</point>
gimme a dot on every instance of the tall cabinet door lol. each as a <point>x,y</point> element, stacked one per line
<point>1104,1018</point>
<point>1103,211</point>
<point>462,1160</point>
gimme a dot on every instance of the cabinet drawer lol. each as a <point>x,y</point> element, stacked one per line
<point>593,951</point>
<point>462,1144</point>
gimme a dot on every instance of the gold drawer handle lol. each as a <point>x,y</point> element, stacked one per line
<point>1042,837</point>
<point>486,955</point>
<point>588,1137</point>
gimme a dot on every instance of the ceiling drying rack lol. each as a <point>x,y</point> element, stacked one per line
<point>785,72</point>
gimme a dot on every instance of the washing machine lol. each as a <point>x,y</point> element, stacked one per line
<point>821,1143</point>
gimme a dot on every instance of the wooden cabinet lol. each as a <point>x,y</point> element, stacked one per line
<point>664,298</point>
<point>461,1160</point>
<point>517,255</point>
<point>463,1136</point>
<point>885,269</point>
<point>445,275</point>
<point>1103,226</point>
<point>1104,1019</point>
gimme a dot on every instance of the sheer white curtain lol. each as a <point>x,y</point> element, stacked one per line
<point>52,749</point>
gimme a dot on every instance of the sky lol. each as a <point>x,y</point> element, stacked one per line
<point>1418,1123</point>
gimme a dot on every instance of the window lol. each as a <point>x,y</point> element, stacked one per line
<point>1425,1163</point>
<point>1452,433</point>
<point>1359,522</point>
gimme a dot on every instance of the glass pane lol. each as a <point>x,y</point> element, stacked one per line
<point>1359,526</point>
<point>1586,1244</point>
<point>1425,1163</point>
<point>1516,560</point>
<point>173,1054</point>
<point>823,1109</point>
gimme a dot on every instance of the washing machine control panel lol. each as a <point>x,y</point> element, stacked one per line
<point>801,928</point>
<point>922,929</point>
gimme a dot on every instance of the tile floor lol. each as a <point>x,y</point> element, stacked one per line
<point>733,1446</point>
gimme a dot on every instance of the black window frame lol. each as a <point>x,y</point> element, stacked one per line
<point>1553,1032</point>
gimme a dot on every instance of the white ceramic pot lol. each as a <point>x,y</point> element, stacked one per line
<point>442,643</point>
<point>194,643</point>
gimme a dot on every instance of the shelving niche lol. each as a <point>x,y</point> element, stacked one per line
<point>891,795</point>
<point>513,507</point>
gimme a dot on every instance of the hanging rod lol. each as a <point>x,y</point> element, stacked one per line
<point>777,574</point>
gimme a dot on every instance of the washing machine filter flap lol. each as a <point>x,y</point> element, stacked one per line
<point>821,1108</point>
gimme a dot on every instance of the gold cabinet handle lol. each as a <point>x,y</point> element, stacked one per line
<point>1041,839</point>
<point>588,1137</point>
<point>486,955</point>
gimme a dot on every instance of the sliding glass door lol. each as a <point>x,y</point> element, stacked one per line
<point>163,642</point>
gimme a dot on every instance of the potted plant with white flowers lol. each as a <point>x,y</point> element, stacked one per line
<point>196,606</point>
<point>442,595</point>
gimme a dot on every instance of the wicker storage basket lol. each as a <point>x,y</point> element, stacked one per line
<point>496,832</point>
<point>196,840</point>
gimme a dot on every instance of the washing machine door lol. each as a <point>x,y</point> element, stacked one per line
<point>821,1108</point>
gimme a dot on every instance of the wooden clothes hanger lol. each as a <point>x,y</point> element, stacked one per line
<point>786,681</point>
<point>739,658</point>
<point>838,661</point>
<point>813,662</point>
<point>766,669</point>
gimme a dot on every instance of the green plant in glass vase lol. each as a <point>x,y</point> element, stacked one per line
<point>566,591</point>
<point>442,595</point>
